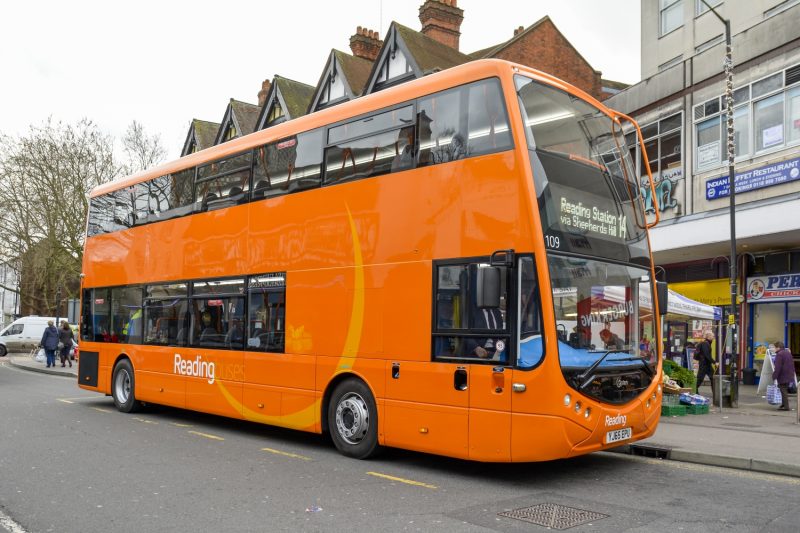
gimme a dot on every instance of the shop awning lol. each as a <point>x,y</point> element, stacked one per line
<point>681,305</point>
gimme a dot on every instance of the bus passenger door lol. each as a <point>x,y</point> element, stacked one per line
<point>489,412</point>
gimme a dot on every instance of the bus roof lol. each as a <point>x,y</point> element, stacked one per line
<point>451,77</point>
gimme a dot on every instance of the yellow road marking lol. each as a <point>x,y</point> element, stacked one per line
<point>64,400</point>
<point>401,480</point>
<point>182,425</point>
<point>206,435</point>
<point>286,454</point>
<point>144,420</point>
<point>102,410</point>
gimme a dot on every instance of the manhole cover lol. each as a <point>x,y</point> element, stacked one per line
<point>553,516</point>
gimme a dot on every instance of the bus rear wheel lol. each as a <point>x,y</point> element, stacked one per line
<point>353,419</point>
<point>123,389</point>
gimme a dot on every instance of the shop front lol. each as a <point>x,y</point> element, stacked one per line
<point>774,310</point>
<point>684,325</point>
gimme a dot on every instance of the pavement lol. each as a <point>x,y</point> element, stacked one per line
<point>754,436</point>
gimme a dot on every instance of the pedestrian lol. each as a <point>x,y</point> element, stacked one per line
<point>65,341</point>
<point>705,361</point>
<point>50,343</point>
<point>783,373</point>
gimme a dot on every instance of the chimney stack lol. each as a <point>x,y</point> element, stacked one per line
<point>519,30</point>
<point>262,94</point>
<point>441,21</point>
<point>365,44</point>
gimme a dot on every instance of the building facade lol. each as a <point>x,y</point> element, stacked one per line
<point>680,105</point>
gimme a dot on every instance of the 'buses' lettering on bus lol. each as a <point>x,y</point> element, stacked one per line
<point>197,368</point>
<point>592,219</point>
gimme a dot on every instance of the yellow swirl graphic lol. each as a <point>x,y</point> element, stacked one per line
<point>307,417</point>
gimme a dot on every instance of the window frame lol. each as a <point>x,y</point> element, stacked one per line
<point>663,7</point>
<point>511,318</point>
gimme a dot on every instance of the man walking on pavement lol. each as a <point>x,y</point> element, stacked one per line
<point>784,373</point>
<point>706,362</point>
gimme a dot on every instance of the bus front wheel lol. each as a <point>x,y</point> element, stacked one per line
<point>122,387</point>
<point>353,419</point>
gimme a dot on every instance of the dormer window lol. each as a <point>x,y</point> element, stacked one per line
<point>230,133</point>
<point>334,88</point>
<point>394,66</point>
<point>276,114</point>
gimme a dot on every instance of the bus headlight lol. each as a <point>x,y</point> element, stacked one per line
<point>567,400</point>
<point>587,412</point>
<point>577,407</point>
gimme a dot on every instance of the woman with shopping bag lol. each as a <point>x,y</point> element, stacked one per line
<point>783,374</point>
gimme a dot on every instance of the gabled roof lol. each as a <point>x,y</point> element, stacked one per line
<point>422,53</point>
<point>354,71</point>
<point>242,115</point>
<point>492,51</point>
<point>201,133</point>
<point>293,97</point>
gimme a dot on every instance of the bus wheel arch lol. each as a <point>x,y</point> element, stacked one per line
<point>350,416</point>
<point>123,385</point>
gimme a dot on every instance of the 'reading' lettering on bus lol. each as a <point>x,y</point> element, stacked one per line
<point>197,368</point>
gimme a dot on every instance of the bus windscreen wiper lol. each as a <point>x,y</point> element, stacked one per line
<point>592,368</point>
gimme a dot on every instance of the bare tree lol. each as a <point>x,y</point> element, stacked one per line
<point>45,178</point>
<point>143,151</point>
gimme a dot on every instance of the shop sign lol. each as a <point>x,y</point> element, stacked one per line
<point>664,184</point>
<point>773,288</point>
<point>756,178</point>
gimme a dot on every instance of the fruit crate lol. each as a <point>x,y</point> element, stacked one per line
<point>673,410</point>
<point>671,399</point>
<point>697,409</point>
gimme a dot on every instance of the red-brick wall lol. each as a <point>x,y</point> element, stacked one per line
<point>545,49</point>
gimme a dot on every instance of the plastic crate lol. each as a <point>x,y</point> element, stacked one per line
<point>697,409</point>
<point>671,399</point>
<point>673,410</point>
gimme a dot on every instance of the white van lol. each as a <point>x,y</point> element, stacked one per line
<point>23,334</point>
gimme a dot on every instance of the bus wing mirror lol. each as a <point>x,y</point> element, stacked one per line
<point>488,287</point>
<point>502,258</point>
<point>662,293</point>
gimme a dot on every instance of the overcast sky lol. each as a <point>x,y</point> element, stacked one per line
<point>168,61</point>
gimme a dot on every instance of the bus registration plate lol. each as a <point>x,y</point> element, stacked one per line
<point>618,435</point>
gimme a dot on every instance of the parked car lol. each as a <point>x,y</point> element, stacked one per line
<point>23,334</point>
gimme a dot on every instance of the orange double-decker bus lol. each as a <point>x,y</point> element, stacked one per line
<point>457,265</point>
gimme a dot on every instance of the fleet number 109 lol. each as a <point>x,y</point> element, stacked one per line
<point>551,241</point>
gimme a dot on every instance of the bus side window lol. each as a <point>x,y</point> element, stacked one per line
<point>267,313</point>
<point>463,329</point>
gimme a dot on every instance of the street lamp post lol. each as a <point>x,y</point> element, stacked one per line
<point>733,317</point>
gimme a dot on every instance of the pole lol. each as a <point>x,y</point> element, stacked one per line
<point>733,318</point>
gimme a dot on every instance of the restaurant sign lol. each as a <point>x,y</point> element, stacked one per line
<point>755,178</point>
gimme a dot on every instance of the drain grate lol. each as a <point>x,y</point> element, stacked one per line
<point>553,516</point>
